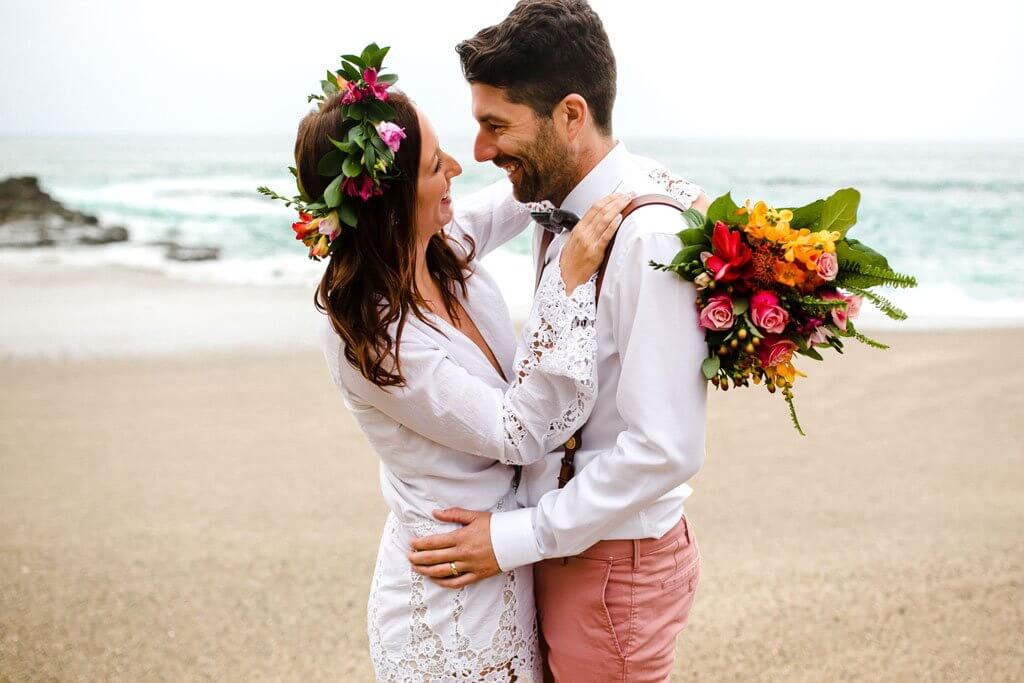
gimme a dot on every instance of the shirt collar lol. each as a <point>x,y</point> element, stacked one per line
<point>602,180</point>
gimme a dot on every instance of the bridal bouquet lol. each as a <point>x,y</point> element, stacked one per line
<point>773,284</point>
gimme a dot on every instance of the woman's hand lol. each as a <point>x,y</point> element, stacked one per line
<point>584,251</point>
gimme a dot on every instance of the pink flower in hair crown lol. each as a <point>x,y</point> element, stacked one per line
<point>391,134</point>
<point>379,90</point>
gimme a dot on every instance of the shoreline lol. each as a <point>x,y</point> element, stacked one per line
<point>71,310</point>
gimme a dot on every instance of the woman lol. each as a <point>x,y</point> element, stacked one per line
<point>420,344</point>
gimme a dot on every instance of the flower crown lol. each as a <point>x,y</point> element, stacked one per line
<point>360,162</point>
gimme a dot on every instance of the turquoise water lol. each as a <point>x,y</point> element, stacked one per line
<point>951,214</point>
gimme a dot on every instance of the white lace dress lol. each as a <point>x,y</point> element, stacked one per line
<point>451,438</point>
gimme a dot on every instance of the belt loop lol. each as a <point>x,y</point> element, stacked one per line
<point>636,555</point>
<point>686,530</point>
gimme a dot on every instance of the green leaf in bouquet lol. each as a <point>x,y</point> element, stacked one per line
<point>693,218</point>
<point>710,366</point>
<point>863,339</point>
<point>347,214</point>
<point>839,212</point>
<point>740,305</point>
<point>688,255</point>
<point>332,195</point>
<point>807,216</point>
<point>811,352</point>
<point>850,250</point>
<point>330,163</point>
<point>693,237</point>
<point>880,302</point>
<point>722,209</point>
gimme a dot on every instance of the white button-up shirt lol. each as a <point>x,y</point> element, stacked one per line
<point>645,437</point>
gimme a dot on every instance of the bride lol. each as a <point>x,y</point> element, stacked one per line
<point>419,342</point>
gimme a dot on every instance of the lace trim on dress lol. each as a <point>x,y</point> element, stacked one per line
<point>680,188</point>
<point>512,655</point>
<point>563,342</point>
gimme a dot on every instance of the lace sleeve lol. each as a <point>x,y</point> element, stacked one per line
<point>559,346</point>
<point>548,398</point>
<point>685,192</point>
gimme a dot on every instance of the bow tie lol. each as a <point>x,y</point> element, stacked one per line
<point>556,221</point>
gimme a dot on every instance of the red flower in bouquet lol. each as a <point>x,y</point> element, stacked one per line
<point>731,257</point>
<point>775,350</point>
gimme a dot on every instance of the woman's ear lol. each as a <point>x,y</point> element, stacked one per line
<point>572,112</point>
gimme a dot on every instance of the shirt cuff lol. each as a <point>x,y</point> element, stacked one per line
<point>513,540</point>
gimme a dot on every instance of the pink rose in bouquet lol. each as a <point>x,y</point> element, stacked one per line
<point>766,312</point>
<point>717,315</point>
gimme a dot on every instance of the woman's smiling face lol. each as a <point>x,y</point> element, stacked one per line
<point>433,191</point>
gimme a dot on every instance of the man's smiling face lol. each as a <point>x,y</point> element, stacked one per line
<point>522,143</point>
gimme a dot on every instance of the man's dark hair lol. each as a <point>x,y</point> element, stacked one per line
<point>541,52</point>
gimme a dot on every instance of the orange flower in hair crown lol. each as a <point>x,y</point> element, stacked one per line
<point>362,161</point>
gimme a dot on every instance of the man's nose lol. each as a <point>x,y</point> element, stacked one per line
<point>484,148</point>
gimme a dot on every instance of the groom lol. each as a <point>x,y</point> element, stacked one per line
<point>543,86</point>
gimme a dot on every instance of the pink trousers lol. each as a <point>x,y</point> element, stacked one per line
<point>612,613</point>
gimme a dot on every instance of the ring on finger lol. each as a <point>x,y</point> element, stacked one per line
<point>454,570</point>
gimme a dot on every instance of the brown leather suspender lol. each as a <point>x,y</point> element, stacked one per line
<point>568,468</point>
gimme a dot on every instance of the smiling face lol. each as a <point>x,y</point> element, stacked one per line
<point>433,189</point>
<point>536,156</point>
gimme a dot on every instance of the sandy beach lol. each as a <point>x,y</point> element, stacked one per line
<point>205,509</point>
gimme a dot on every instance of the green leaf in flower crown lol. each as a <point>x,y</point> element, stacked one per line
<point>351,167</point>
<point>357,136</point>
<point>692,237</point>
<point>332,195</point>
<point>853,251</point>
<point>369,156</point>
<point>740,305</point>
<point>347,214</point>
<point>358,61</point>
<point>330,163</point>
<point>331,77</point>
<point>346,147</point>
<point>840,211</point>
<point>388,78</point>
<point>710,366</point>
<point>378,56</point>
<point>328,87</point>
<point>350,72</point>
<point>807,216</point>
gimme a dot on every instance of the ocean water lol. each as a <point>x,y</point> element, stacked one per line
<point>950,214</point>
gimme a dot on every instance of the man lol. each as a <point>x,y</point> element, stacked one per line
<point>543,85</point>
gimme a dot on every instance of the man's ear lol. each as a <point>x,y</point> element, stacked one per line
<point>573,113</point>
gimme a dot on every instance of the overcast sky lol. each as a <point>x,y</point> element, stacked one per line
<point>777,70</point>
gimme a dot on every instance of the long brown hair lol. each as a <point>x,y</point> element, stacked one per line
<point>370,283</point>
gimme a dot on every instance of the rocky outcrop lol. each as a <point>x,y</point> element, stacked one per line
<point>29,217</point>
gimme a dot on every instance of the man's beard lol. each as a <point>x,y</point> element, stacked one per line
<point>546,169</point>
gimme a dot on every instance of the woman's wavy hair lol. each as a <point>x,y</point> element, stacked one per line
<point>369,283</point>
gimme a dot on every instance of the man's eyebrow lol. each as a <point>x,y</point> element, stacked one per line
<point>490,118</point>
